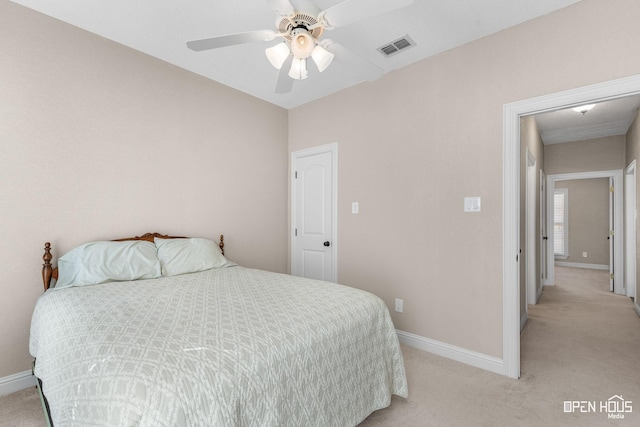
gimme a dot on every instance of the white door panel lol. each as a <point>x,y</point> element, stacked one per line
<point>611,236</point>
<point>314,264</point>
<point>543,228</point>
<point>312,180</point>
<point>313,244</point>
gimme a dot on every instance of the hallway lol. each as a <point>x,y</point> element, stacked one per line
<point>584,341</point>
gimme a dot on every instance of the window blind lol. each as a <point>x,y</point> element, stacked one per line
<point>560,222</point>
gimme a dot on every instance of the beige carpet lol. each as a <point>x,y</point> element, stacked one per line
<point>22,409</point>
<point>581,343</point>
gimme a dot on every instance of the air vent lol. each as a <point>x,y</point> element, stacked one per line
<point>396,46</point>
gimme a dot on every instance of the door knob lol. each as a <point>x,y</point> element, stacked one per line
<point>327,243</point>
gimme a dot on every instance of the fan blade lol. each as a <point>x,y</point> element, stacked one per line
<point>283,8</point>
<point>284,84</point>
<point>350,11</point>
<point>231,39</point>
<point>354,62</point>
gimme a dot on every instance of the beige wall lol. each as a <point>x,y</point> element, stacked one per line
<point>100,141</point>
<point>413,144</point>
<point>588,220</point>
<point>529,139</point>
<point>596,154</point>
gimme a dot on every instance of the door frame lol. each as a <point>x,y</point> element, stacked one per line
<point>617,261</point>
<point>512,113</point>
<point>295,155</point>
<point>630,237</point>
<point>531,231</point>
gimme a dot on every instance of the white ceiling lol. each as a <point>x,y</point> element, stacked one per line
<point>607,118</point>
<point>161,29</point>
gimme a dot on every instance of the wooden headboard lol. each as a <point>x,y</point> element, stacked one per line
<point>50,272</point>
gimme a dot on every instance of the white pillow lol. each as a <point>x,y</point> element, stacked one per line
<point>103,261</point>
<point>180,256</point>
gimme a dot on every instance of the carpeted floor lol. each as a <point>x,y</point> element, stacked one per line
<point>581,343</point>
<point>22,409</point>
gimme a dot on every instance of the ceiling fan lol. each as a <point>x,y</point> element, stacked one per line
<point>301,32</point>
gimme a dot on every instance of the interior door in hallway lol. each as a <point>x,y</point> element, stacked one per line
<point>313,237</point>
<point>612,236</point>
<point>543,228</point>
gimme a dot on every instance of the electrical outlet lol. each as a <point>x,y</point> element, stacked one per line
<point>584,254</point>
<point>399,305</point>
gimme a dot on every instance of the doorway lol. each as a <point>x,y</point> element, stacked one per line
<point>616,248</point>
<point>511,195</point>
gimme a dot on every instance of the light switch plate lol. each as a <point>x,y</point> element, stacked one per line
<point>472,204</point>
<point>355,207</point>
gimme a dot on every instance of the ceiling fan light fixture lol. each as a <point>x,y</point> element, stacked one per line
<point>302,43</point>
<point>278,54</point>
<point>298,69</point>
<point>322,57</point>
<point>302,31</point>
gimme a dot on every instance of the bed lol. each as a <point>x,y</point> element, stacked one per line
<point>205,346</point>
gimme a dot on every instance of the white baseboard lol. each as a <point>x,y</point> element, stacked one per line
<point>582,265</point>
<point>458,354</point>
<point>16,382</point>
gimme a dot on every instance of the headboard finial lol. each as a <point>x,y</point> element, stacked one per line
<point>47,269</point>
<point>221,244</point>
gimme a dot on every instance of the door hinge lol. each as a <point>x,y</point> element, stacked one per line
<point>296,232</point>
<point>296,175</point>
<point>610,189</point>
<point>611,276</point>
<point>611,232</point>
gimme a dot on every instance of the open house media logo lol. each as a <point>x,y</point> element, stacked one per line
<point>615,407</point>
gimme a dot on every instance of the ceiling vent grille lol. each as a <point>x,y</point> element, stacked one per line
<point>396,46</point>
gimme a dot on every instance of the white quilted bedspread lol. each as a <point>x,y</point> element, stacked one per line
<point>225,347</point>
